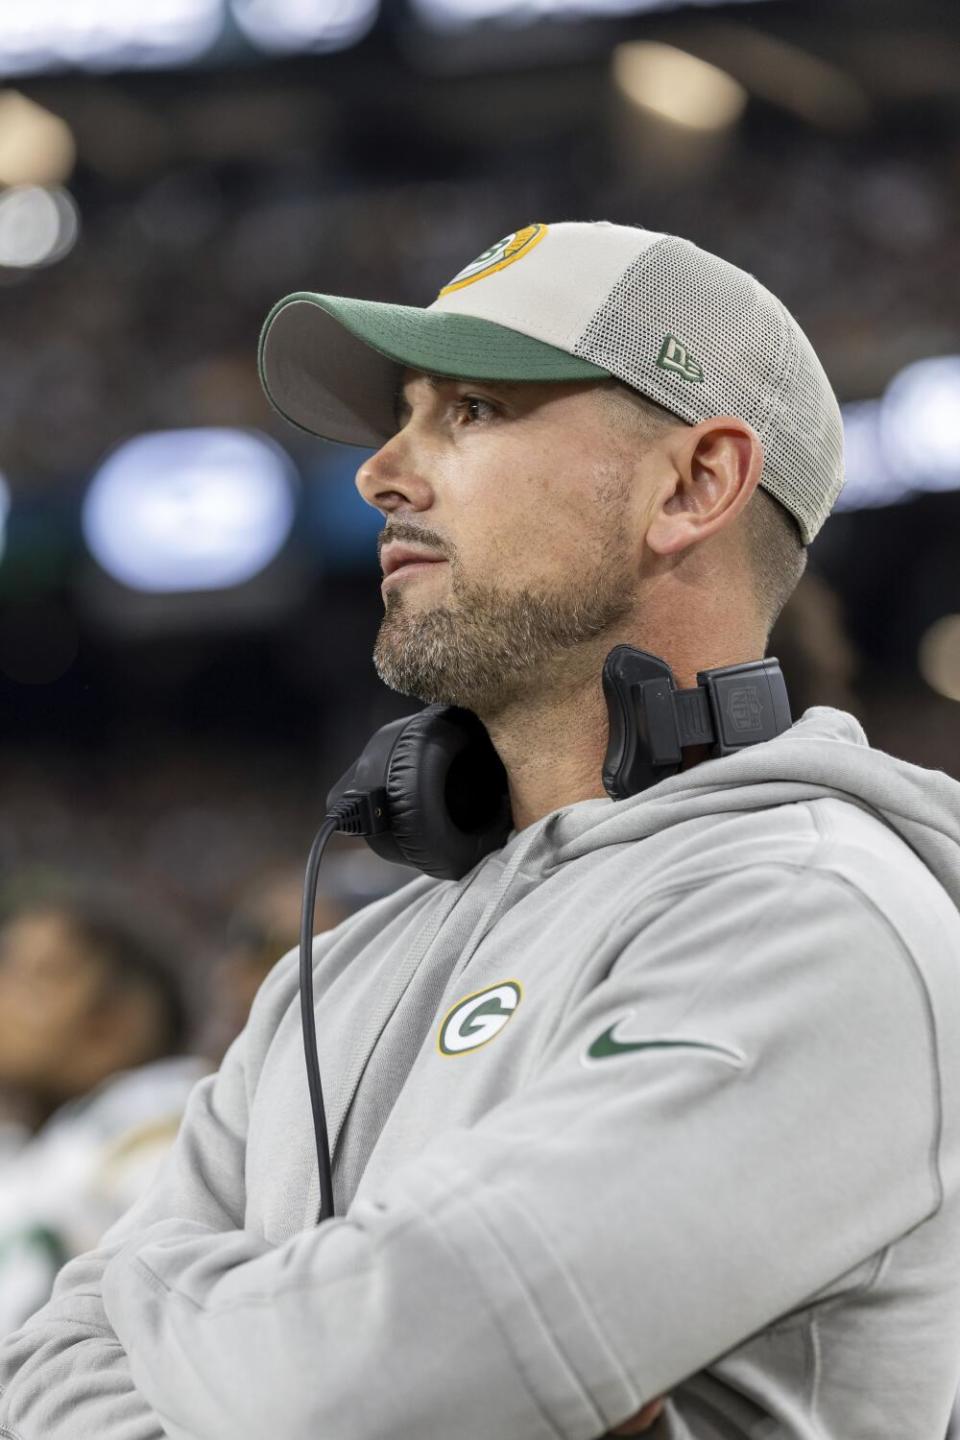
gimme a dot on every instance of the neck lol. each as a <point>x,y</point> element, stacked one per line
<point>553,742</point>
<point>552,750</point>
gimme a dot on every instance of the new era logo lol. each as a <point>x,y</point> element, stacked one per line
<point>676,357</point>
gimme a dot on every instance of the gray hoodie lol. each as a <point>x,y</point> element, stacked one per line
<point>662,1098</point>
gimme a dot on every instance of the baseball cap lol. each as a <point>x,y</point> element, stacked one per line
<point>575,300</point>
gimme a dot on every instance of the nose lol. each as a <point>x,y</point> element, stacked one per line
<point>389,478</point>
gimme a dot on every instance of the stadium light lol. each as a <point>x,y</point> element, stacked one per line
<point>869,481</point>
<point>188,510</point>
<point>105,34</point>
<point>461,14</point>
<point>38,226</point>
<point>297,25</point>
<point>939,656</point>
<point>905,443</point>
<point>918,423</point>
<point>36,147</point>
<point>677,86</point>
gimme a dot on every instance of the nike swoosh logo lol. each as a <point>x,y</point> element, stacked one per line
<point>607,1044</point>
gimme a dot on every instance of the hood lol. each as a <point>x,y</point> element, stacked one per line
<point>824,754</point>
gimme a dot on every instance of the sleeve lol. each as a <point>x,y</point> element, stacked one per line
<point>64,1374</point>
<point>739,1114</point>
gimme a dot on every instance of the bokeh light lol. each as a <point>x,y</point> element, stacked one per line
<point>105,34</point>
<point>321,25</point>
<point>867,478</point>
<point>676,86</point>
<point>39,225</point>
<point>456,14</point>
<point>36,147</point>
<point>919,421</point>
<point>183,510</point>
<point>939,656</point>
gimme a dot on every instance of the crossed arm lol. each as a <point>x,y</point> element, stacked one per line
<point>552,1269</point>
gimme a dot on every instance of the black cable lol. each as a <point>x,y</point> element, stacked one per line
<point>357,812</point>
<point>308,1018</point>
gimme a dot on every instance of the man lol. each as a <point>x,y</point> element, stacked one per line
<point>93,1079</point>
<point>662,1099</point>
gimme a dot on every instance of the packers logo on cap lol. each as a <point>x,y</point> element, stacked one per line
<point>512,247</point>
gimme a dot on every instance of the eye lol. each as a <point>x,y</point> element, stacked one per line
<point>475,408</point>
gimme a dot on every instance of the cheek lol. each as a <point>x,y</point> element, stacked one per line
<point>31,1011</point>
<point>31,1042</point>
<point>546,545</point>
<point>531,512</point>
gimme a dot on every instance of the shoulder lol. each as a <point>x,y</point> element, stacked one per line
<point>825,884</point>
<point>828,898</point>
<point>831,841</point>
<point>854,848</point>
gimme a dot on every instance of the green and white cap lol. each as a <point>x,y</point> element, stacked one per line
<point>576,301</point>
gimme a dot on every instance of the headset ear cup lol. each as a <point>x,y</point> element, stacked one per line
<point>447,792</point>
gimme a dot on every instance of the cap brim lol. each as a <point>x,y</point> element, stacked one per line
<point>331,365</point>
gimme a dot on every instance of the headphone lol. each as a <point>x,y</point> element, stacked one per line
<point>430,791</point>
<point>437,790</point>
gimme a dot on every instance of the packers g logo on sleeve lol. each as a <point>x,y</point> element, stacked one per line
<point>477,1019</point>
<point>512,247</point>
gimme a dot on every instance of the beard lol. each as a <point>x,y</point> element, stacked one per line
<point>485,648</point>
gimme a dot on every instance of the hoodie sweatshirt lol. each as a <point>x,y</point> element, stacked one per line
<point>662,1098</point>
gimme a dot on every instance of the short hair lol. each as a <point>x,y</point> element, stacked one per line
<point>777,553</point>
<point>135,960</point>
<point>778,556</point>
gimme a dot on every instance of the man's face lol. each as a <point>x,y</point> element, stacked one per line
<point>49,986</point>
<point>533,494</point>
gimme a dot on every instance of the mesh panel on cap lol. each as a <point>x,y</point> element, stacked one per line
<point>804,464</point>
<point>756,364</point>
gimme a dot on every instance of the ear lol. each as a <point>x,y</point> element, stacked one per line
<point>717,467</point>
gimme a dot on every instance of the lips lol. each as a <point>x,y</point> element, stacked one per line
<point>412,567</point>
<point>411,564</point>
<point>394,557</point>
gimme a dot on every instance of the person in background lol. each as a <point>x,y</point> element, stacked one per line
<point>263,925</point>
<point>93,1078</point>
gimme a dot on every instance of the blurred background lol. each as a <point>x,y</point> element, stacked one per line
<point>189,588</point>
